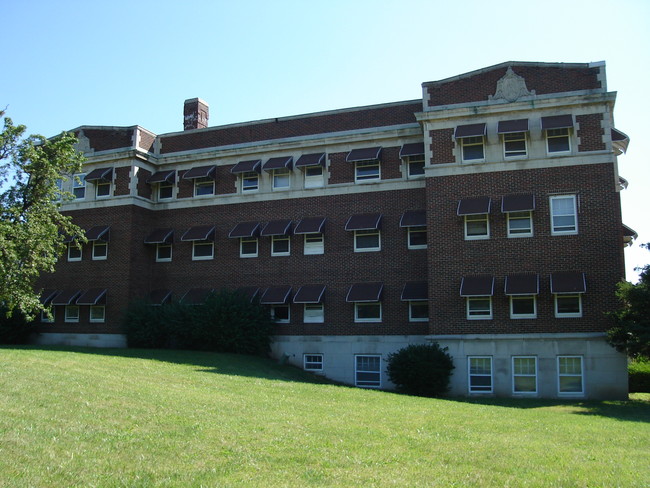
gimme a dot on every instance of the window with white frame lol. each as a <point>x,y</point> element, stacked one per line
<point>558,140</point>
<point>72,313</point>
<point>473,148</point>
<point>367,311</point>
<point>367,171</point>
<point>248,247</point>
<point>520,224</point>
<point>314,313</point>
<point>479,308</point>
<point>280,245</point>
<point>523,306</point>
<point>250,181</point>
<point>97,313</point>
<point>202,250</point>
<point>102,188</point>
<point>74,251</point>
<point>281,179</point>
<point>514,145</point>
<point>100,250</point>
<point>415,166</point>
<point>570,375</point>
<point>314,176</point>
<point>418,311</point>
<point>480,374</point>
<point>417,237</point>
<point>48,319</point>
<point>564,214</point>
<point>313,362</point>
<point>203,186</point>
<point>567,305</point>
<point>165,190</point>
<point>163,252</point>
<point>524,375</point>
<point>79,186</point>
<point>280,313</point>
<point>477,227</point>
<point>367,371</point>
<point>314,243</point>
<point>367,240</point>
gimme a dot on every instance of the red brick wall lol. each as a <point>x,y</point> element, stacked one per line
<point>226,181</point>
<point>390,163</point>
<point>144,189</point>
<point>105,139</point>
<point>340,170</point>
<point>185,187</point>
<point>122,181</point>
<point>146,141</point>
<point>590,132</point>
<point>442,146</point>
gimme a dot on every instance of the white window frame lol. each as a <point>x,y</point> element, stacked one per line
<point>280,176</point>
<point>469,219</point>
<point>557,230</point>
<point>471,142</point>
<point>72,313</point>
<point>242,241</point>
<point>313,313</point>
<point>101,187</point>
<point>365,233</point>
<point>359,367</point>
<point>480,314</point>
<point>165,259</point>
<point>561,315</point>
<point>312,362</point>
<point>97,245</point>
<point>202,245</point>
<point>415,162</point>
<point>74,246</point>
<point>164,185</point>
<point>79,185</point>
<point>560,374</point>
<point>416,303</point>
<point>361,305</point>
<point>514,298</point>
<point>561,133</point>
<point>417,231</point>
<point>314,243</point>
<point>480,389</point>
<point>526,215</point>
<point>277,240</point>
<point>375,175</point>
<point>522,374</point>
<point>314,180</point>
<point>283,306</point>
<point>200,183</point>
<point>515,137</point>
<point>247,179</point>
<point>97,308</point>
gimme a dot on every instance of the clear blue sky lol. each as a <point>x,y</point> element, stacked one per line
<point>72,63</point>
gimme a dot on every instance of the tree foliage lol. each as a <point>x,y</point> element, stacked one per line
<point>421,369</point>
<point>32,230</point>
<point>631,331</point>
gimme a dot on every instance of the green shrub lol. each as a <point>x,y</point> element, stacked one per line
<point>14,329</point>
<point>421,369</point>
<point>639,376</point>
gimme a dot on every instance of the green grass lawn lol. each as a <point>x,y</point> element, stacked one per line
<point>133,418</point>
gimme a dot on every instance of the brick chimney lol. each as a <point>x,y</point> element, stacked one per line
<point>195,114</point>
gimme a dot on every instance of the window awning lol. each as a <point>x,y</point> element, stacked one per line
<point>309,294</point>
<point>568,282</point>
<point>363,222</point>
<point>412,149</point>
<point>477,286</point>
<point>310,225</point>
<point>317,159</point>
<point>98,233</point>
<point>93,296</point>
<point>196,296</point>
<point>66,297</point>
<point>415,290</point>
<point>104,174</point>
<point>199,233</point>
<point>160,236</point>
<point>365,154</point>
<point>471,130</point>
<point>162,177</point>
<point>557,122</point>
<point>277,228</point>
<point>249,292</point>
<point>364,292</point>
<point>517,203</point>
<point>160,297</point>
<point>200,172</point>
<point>247,166</point>
<point>413,218</point>
<point>474,206</point>
<point>629,232</point>
<point>620,141</point>
<point>522,284</point>
<point>510,126</point>
<point>48,295</point>
<point>245,229</point>
<point>276,295</point>
<point>283,162</point>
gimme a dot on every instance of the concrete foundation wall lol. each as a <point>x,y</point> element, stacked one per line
<point>85,340</point>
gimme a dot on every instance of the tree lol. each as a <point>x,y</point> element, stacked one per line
<point>32,230</point>
<point>631,331</point>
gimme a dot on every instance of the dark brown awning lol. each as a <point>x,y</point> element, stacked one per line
<point>200,172</point>
<point>276,295</point>
<point>160,297</point>
<point>415,290</point>
<point>620,141</point>
<point>162,176</point>
<point>557,122</point>
<point>474,206</point>
<point>629,232</point>
<point>522,284</point>
<point>477,286</point>
<point>160,236</point>
<point>93,296</point>
<point>568,282</point>
<point>245,229</point>
<point>471,130</point>
<point>199,233</point>
<point>277,228</point>
<point>365,154</point>
<point>310,225</point>
<point>517,203</point>
<point>48,295</point>
<point>66,297</point>
<point>317,159</point>
<point>249,292</point>
<point>104,174</point>
<point>412,149</point>
<point>363,222</point>
<point>309,294</point>
<point>365,292</point>
<point>247,166</point>
<point>413,218</point>
<point>283,162</point>
<point>509,126</point>
<point>196,296</point>
<point>98,233</point>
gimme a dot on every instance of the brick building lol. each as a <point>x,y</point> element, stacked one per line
<point>484,216</point>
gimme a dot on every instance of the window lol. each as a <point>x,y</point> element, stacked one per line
<point>367,240</point>
<point>203,186</point>
<point>419,311</point>
<point>520,224</point>
<point>79,186</point>
<point>477,227</point>
<point>415,166</point>
<point>514,145</point>
<point>480,374</point>
<point>472,148</point>
<point>102,188</point>
<point>569,370</point>
<point>314,313</point>
<point>280,313</point>
<point>564,214</point>
<point>74,251</point>
<point>524,374</point>
<point>366,171</point>
<point>314,176</point>
<point>100,250</point>
<point>163,252</point>
<point>568,305</point>
<point>202,250</point>
<point>367,371</point>
<point>48,319</point>
<point>281,179</point>
<point>314,243</point>
<point>558,141</point>
<point>367,311</point>
<point>280,245</point>
<point>523,307</point>
<point>97,313</point>
<point>248,247</point>
<point>479,308</point>
<point>71,313</point>
<point>250,181</point>
<point>417,237</point>
<point>165,190</point>
<point>313,362</point>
